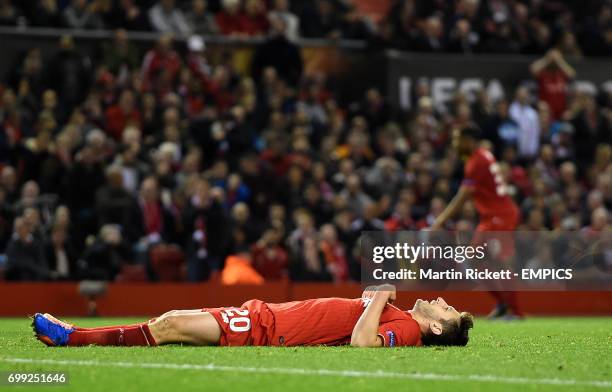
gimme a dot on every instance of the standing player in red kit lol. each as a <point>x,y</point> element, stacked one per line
<point>369,321</point>
<point>483,182</point>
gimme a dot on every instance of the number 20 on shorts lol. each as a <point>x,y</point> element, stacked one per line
<point>238,319</point>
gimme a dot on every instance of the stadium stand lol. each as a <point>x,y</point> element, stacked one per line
<point>109,155</point>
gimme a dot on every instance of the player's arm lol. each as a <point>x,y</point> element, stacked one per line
<point>365,333</point>
<point>465,192</point>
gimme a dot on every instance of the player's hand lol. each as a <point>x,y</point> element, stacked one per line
<point>390,291</point>
<point>386,289</point>
<point>369,292</point>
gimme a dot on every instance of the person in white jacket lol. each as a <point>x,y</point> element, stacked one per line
<point>165,17</point>
<point>528,121</point>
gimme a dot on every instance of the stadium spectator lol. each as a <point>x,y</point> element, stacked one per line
<point>333,253</point>
<point>502,39</point>
<point>500,129</point>
<point>46,13</point>
<point>156,222</point>
<point>526,117</point>
<point>120,56</point>
<point>25,254</point>
<point>462,38</point>
<point>114,204</point>
<point>30,193</point>
<point>278,53</point>
<point>270,259</point>
<point>127,14</point>
<point>354,197</point>
<point>8,180</point>
<point>229,18</point>
<point>280,9</point>
<point>105,256</point>
<point>553,74</point>
<point>196,60</point>
<point>401,218</point>
<point>9,14</point>
<point>69,73</point>
<point>206,231</point>
<point>254,21</point>
<point>368,221</point>
<point>597,38</point>
<point>320,19</point>
<point>431,36</point>
<point>464,26</point>
<point>123,114</point>
<point>63,220</point>
<point>160,66</point>
<point>201,21</point>
<point>568,46</point>
<point>81,15</point>
<point>83,180</point>
<point>354,26</point>
<point>590,123</point>
<point>541,38</point>
<point>6,220</point>
<point>165,17</point>
<point>60,255</point>
<point>245,230</point>
<point>305,262</point>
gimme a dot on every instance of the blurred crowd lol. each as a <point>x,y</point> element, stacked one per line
<point>462,26</point>
<point>105,162</point>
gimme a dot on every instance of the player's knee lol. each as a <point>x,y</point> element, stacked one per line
<point>169,313</point>
<point>166,327</point>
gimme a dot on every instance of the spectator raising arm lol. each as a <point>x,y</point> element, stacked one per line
<point>555,57</point>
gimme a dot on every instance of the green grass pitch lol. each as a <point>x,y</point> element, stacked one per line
<point>539,354</point>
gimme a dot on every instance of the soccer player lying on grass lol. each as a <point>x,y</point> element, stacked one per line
<point>369,321</point>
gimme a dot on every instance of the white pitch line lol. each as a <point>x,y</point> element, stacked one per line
<point>320,372</point>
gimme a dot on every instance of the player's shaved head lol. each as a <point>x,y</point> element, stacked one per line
<point>465,139</point>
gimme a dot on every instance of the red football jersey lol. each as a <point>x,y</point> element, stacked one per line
<point>490,193</point>
<point>323,321</point>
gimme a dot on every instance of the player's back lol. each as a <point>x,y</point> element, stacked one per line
<point>490,191</point>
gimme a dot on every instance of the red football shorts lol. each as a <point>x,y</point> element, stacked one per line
<point>252,324</point>
<point>498,233</point>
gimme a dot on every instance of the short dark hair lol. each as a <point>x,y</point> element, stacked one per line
<point>471,131</point>
<point>453,334</point>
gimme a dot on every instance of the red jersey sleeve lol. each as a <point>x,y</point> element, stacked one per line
<point>399,333</point>
<point>472,173</point>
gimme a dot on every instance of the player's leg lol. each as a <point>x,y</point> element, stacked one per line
<point>171,312</point>
<point>507,305</point>
<point>483,234</point>
<point>197,328</point>
<point>506,258</point>
<point>191,327</point>
<point>54,332</point>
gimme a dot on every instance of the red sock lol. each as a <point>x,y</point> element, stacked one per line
<point>498,297</point>
<point>109,326</point>
<point>129,335</point>
<point>510,298</point>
